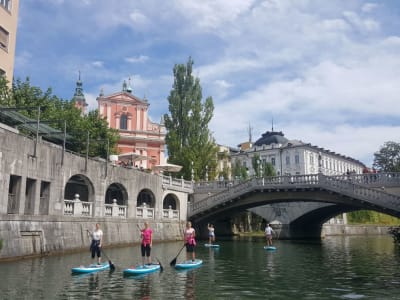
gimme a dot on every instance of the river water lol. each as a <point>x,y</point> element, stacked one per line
<point>333,268</point>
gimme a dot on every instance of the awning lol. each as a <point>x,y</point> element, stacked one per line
<point>167,168</point>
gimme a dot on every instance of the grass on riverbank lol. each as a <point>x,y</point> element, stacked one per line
<point>371,217</point>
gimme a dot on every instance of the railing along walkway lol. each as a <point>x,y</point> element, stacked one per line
<point>340,184</point>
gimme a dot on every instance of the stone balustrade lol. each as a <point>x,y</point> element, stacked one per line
<point>356,186</point>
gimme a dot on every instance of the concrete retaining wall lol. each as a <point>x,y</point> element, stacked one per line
<point>37,236</point>
<point>329,229</point>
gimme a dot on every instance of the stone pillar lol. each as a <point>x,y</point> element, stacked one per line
<point>77,206</point>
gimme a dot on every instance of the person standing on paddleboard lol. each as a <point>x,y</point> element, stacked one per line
<point>147,242</point>
<point>190,241</point>
<point>268,234</point>
<point>95,246</point>
<point>211,233</point>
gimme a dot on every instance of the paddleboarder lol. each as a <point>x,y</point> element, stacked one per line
<point>211,233</point>
<point>190,241</point>
<point>147,242</point>
<point>95,246</point>
<point>268,234</point>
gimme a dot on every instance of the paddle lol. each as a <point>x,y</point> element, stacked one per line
<point>112,267</point>
<point>159,262</point>
<point>173,262</point>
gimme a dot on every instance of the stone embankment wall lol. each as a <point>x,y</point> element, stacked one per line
<point>25,236</point>
<point>336,229</point>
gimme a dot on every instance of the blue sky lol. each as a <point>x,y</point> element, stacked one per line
<point>326,72</point>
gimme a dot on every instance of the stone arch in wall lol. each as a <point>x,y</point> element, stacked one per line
<point>171,200</point>
<point>146,197</point>
<point>81,185</point>
<point>116,191</point>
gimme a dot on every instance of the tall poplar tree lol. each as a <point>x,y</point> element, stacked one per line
<point>188,138</point>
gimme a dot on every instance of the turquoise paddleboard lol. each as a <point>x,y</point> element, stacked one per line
<point>142,269</point>
<point>188,264</point>
<point>90,269</point>
<point>212,245</point>
<point>270,248</point>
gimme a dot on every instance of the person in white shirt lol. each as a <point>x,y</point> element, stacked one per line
<point>268,234</point>
<point>95,246</point>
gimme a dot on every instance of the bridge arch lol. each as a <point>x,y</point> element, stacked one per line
<point>81,185</point>
<point>341,195</point>
<point>146,198</point>
<point>116,191</point>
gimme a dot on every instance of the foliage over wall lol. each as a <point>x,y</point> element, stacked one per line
<point>371,217</point>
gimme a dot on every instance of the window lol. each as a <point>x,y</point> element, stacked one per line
<point>3,38</point>
<point>6,4</point>
<point>296,159</point>
<point>311,159</point>
<point>123,124</point>
<point>273,161</point>
<point>2,72</point>
<point>288,160</point>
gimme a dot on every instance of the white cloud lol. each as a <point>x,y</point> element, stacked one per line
<point>368,7</point>
<point>138,59</point>
<point>361,24</point>
<point>98,64</point>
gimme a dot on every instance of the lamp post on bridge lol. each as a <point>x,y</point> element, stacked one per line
<point>192,172</point>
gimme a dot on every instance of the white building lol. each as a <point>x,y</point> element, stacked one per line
<point>293,157</point>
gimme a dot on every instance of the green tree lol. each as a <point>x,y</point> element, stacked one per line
<point>238,170</point>
<point>56,111</point>
<point>188,137</point>
<point>387,159</point>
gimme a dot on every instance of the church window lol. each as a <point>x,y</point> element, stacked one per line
<point>123,122</point>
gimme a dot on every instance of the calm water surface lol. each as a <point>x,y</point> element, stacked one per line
<point>334,268</point>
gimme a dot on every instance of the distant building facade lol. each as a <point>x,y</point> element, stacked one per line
<point>8,37</point>
<point>293,157</point>
<point>138,134</point>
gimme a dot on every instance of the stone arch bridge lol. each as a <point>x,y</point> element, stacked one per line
<point>298,205</point>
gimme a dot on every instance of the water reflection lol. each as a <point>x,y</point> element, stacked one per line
<point>335,268</point>
<point>142,290</point>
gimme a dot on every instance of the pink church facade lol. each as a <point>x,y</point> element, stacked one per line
<point>138,134</point>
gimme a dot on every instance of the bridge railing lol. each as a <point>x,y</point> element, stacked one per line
<point>352,189</point>
<point>169,181</point>
<point>353,186</point>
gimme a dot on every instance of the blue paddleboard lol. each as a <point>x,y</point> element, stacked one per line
<point>212,245</point>
<point>188,264</point>
<point>270,248</point>
<point>90,269</point>
<point>142,269</point>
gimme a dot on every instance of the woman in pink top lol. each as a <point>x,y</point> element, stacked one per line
<point>190,242</point>
<point>147,242</point>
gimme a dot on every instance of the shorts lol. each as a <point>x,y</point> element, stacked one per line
<point>190,248</point>
<point>145,250</point>
<point>95,249</point>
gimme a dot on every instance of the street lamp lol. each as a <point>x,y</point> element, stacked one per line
<point>207,173</point>
<point>192,172</point>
